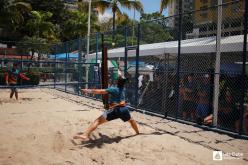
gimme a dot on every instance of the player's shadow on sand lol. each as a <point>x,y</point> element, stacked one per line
<point>104,139</point>
<point>29,99</point>
<point>80,110</point>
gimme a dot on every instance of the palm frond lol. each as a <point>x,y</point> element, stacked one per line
<point>102,5</point>
<point>163,5</point>
<point>123,19</point>
<point>137,5</point>
<point>21,6</point>
<point>118,13</point>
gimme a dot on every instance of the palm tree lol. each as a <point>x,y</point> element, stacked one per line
<point>164,4</point>
<point>114,5</point>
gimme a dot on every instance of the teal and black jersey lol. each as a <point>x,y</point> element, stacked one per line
<point>116,95</point>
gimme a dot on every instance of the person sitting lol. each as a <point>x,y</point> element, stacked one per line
<point>228,114</point>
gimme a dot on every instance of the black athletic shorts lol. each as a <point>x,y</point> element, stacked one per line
<point>118,112</point>
<point>13,87</point>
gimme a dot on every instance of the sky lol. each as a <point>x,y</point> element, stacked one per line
<point>150,6</point>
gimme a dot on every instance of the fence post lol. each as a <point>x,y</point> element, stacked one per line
<point>137,69</point>
<point>66,47</point>
<point>95,79</point>
<point>125,58</point>
<point>243,68</point>
<point>55,72</point>
<point>178,57</point>
<point>97,47</point>
<point>79,64</point>
<point>104,72</point>
<point>21,62</point>
<point>217,66</point>
<point>165,85</point>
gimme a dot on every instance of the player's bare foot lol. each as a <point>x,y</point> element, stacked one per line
<point>81,137</point>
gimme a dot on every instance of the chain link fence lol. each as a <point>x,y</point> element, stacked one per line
<point>61,66</point>
<point>183,84</point>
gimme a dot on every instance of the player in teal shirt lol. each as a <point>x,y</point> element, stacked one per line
<point>117,109</point>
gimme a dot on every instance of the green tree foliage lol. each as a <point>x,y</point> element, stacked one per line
<point>121,21</point>
<point>12,18</point>
<point>41,27</point>
<point>57,7</point>
<point>11,13</point>
<point>33,44</point>
<point>150,16</point>
<point>152,32</point>
<point>154,28</point>
<point>163,5</point>
<point>75,25</point>
<point>49,21</point>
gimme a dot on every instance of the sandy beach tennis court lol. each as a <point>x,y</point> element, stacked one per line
<point>37,130</point>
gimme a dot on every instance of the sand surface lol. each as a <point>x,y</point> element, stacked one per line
<point>37,130</point>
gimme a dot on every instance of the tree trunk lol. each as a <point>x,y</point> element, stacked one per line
<point>113,33</point>
<point>113,20</point>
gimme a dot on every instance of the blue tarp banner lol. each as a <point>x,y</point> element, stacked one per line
<point>64,55</point>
